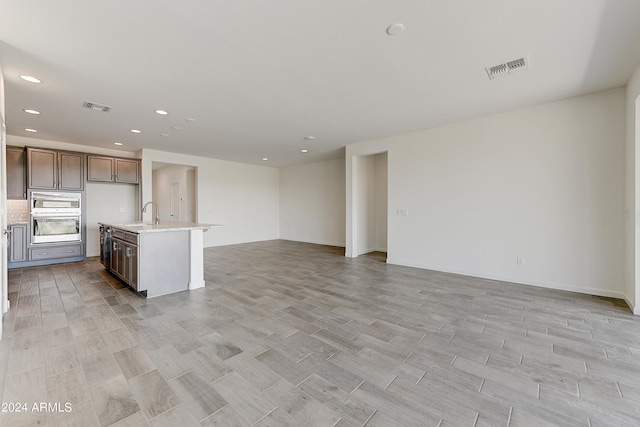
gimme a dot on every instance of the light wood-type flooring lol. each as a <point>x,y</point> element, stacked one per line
<point>294,334</point>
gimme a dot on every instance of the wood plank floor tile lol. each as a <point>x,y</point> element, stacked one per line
<point>133,362</point>
<point>300,406</point>
<point>153,394</point>
<point>282,365</point>
<point>351,410</point>
<point>100,367</point>
<point>244,398</point>
<point>113,400</point>
<point>198,394</point>
<point>177,416</point>
<point>226,416</point>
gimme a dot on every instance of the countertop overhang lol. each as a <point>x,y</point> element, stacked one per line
<point>150,227</point>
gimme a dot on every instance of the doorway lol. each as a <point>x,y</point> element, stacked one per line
<point>371,204</point>
<point>174,190</point>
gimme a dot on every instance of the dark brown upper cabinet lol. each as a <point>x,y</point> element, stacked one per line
<point>16,173</point>
<point>113,169</point>
<point>55,170</point>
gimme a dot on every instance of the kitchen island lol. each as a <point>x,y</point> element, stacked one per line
<point>158,259</point>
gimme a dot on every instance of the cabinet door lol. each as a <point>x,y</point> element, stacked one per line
<point>71,167</point>
<point>18,243</point>
<point>99,168</point>
<point>42,169</point>
<point>122,260</point>
<point>16,173</point>
<point>131,265</point>
<point>127,171</point>
<point>116,247</point>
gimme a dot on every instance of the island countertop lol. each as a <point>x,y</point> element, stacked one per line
<point>150,227</point>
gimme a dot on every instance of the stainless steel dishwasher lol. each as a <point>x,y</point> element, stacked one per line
<point>105,246</point>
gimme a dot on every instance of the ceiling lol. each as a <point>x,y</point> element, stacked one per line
<point>257,77</point>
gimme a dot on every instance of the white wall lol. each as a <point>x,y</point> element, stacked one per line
<point>109,203</point>
<point>632,188</point>
<point>242,197</point>
<point>544,183</point>
<point>312,203</point>
<point>163,179</point>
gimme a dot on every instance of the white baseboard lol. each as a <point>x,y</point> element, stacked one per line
<point>339,245</point>
<point>518,280</point>
<point>635,310</point>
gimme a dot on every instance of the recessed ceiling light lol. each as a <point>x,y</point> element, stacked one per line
<point>31,111</point>
<point>164,134</point>
<point>31,130</point>
<point>265,159</point>
<point>395,29</point>
<point>31,79</point>
<point>190,119</point>
<point>304,150</point>
<point>136,131</point>
<point>175,127</point>
<point>118,143</point>
<point>162,112</point>
<point>309,138</point>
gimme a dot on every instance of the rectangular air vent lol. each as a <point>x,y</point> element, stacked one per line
<point>507,68</point>
<point>96,107</point>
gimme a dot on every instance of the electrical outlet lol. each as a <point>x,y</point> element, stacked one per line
<point>121,210</point>
<point>402,212</point>
<point>520,261</point>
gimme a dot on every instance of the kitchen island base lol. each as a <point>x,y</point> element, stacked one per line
<point>157,259</point>
<point>163,263</point>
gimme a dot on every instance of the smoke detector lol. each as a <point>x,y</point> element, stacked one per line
<point>96,107</point>
<point>507,68</point>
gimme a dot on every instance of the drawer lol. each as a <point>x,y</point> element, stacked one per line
<point>125,235</point>
<point>51,252</point>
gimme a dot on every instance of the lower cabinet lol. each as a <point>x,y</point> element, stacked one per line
<point>124,257</point>
<point>18,243</point>
<point>22,255</point>
<point>57,251</point>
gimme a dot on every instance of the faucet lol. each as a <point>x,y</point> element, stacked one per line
<point>144,209</point>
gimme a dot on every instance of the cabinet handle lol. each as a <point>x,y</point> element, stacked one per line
<point>69,251</point>
<point>128,252</point>
<point>45,253</point>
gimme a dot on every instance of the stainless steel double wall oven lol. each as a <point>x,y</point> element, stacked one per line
<point>55,216</point>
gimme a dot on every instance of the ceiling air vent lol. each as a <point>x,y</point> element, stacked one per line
<point>507,68</point>
<point>96,107</point>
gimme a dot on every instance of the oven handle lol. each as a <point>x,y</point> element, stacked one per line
<point>47,214</point>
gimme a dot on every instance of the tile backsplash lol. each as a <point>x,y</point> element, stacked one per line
<point>17,211</point>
